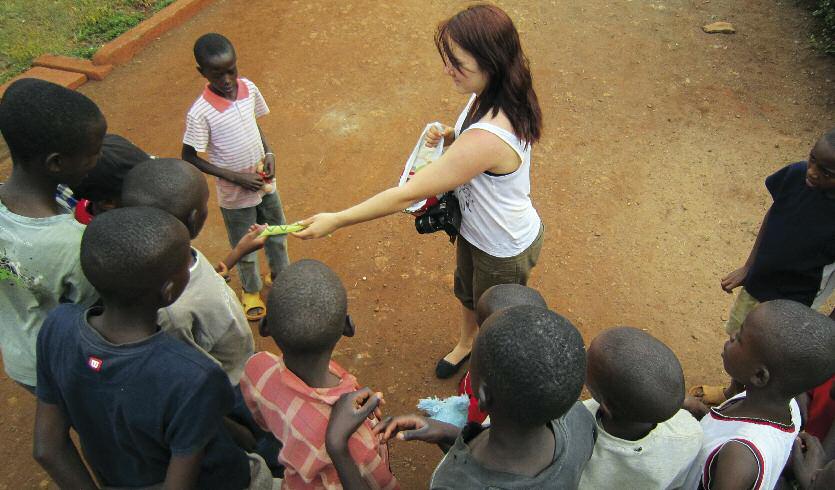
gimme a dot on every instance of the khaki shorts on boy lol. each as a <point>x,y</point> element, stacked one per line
<point>477,271</point>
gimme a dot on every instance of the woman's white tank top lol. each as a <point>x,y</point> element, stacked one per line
<point>498,216</point>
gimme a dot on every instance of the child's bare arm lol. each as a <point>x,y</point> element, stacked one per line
<point>183,471</point>
<point>55,451</point>
<point>246,245</point>
<point>736,278</point>
<point>250,181</point>
<point>735,468</point>
<point>348,413</point>
<point>418,428</point>
<point>269,156</point>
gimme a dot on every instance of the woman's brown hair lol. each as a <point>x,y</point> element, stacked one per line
<point>488,34</point>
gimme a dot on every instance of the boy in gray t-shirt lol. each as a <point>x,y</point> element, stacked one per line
<point>528,367</point>
<point>54,137</point>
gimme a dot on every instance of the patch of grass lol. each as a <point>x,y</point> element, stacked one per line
<point>29,28</point>
<point>824,39</point>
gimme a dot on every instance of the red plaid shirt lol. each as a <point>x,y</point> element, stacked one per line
<point>298,416</point>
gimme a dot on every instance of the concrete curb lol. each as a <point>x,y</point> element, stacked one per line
<point>73,72</point>
<point>124,48</point>
<point>77,65</point>
<point>68,79</point>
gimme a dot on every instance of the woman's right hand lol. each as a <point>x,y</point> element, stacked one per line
<point>433,136</point>
<point>318,226</point>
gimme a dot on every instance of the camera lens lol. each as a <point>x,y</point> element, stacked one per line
<point>425,224</point>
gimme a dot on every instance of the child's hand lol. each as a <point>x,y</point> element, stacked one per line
<point>695,406</point>
<point>269,167</point>
<point>249,181</point>
<point>807,458</point>
<point>348,413</point>
<point>416,428</point>
<point>251,241</point>
<point>734,279</point>
<point>433,136</point>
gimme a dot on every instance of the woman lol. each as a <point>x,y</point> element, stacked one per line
<point>487,163</point>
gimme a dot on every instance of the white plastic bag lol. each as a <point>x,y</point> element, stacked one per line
<point>421,156</point>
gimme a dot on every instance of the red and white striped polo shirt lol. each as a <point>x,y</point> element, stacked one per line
<point>227,131</point>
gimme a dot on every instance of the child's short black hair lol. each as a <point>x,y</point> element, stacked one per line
<point>504,296</point>
<point>104,182</point>
<point>639,377</point>
<point>307,308</point>
<point>795,342</point>
<point>532,361</point>
<point>128,253</point>
<point>211,45</point>
<point>169,184</point>
<point>38,118</point>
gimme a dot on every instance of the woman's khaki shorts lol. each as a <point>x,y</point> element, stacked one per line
<point>477,271</point>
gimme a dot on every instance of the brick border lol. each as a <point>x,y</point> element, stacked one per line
<point>72,73</point>
<point>124,48</point>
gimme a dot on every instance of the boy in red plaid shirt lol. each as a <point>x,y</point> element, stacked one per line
<point>292,395</point>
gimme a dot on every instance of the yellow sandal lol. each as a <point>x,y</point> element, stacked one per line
<point>253,302</point>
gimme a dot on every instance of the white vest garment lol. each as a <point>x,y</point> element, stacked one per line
<point>497,214</point>
<point>769,442</point>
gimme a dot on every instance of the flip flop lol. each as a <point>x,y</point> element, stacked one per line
<point>709,395</point>
<point>251,302</point>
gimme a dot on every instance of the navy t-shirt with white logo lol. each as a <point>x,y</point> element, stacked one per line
<point>798,240</point>
<point>135,405</point>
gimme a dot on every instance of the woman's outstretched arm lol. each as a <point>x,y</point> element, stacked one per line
<point>474,152</point>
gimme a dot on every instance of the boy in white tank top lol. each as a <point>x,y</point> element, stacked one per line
<point>783,349</point>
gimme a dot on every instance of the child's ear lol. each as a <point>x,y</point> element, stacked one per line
<point>761,377</point>
<point>167,292</point>
<point>350,329</point>
<point>52,163</point>
<point>262,328</point>
<point>192,223</point>
<point>485,399</point>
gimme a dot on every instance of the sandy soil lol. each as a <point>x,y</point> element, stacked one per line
<point>649,177</point>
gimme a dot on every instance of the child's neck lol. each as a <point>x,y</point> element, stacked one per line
<point>313,369</point>
<point>124,324</point>
<point>29,195</point>
<point>515,449</point>
<point>761,404</point>
<point>624,429</point>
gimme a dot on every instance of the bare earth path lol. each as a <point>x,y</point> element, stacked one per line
<point>649,177</point>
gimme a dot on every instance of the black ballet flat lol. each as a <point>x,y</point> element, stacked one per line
<point>445,369</point>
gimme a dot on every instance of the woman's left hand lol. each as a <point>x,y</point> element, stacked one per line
<point>318,226</point>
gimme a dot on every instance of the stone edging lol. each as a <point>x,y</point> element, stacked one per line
<point>73,72</point>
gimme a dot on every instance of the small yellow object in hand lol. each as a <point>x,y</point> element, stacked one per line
<point>282,229</point>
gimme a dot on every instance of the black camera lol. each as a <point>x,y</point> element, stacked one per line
<point>445,215</point>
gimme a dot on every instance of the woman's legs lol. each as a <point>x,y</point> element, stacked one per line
<point>466,336</point>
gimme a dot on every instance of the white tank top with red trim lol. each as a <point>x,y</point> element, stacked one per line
<point>497,215</point>
<point>769,442</point>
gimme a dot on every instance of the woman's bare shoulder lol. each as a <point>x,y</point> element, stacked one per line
<point>500,119</point>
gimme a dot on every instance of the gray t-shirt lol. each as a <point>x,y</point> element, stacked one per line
<point>209,317</point>
<point>575,436</point>
<point>39,269</point>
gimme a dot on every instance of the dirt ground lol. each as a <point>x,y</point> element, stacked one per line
<point>649,176</point>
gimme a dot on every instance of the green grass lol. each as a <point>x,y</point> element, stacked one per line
<point>29,28</point>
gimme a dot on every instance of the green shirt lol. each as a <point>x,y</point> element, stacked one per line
<point>39,268</point>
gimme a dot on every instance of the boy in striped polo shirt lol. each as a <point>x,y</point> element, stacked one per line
<point>222,123</point>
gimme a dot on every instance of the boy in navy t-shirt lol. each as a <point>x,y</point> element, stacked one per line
<point>148,409</point>
<point>794,254</point>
